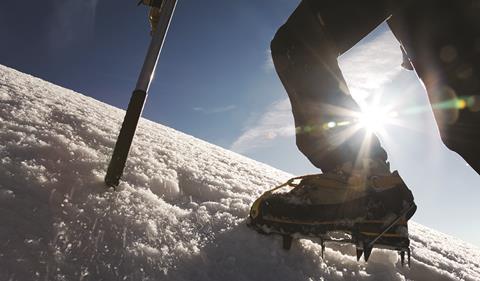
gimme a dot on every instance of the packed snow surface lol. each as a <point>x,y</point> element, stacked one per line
<point>179,213</point>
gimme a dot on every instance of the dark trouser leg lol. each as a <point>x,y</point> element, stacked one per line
<point>442,38</point>
<point>306,61</point>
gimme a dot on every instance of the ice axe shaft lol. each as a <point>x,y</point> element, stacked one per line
<point>139,96</point>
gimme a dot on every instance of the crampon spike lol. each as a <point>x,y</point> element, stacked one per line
<point>359,253</point>
<point>366,252</point>
<point>287,242</point>
<point>323,248</point>
<point>402,257</point>
<point>408,255</point>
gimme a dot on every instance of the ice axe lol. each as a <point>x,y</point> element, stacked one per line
<point>161,12</point>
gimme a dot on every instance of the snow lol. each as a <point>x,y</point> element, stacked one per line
<point>179,213</point>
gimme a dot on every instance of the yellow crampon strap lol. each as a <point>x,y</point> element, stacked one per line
<point>255,206</point>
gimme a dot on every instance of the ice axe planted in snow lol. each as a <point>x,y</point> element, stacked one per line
<point>161,12</point>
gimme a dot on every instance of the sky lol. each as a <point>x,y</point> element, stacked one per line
<point>215,80</point>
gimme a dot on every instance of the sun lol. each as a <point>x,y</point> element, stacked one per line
<point>374,118</point>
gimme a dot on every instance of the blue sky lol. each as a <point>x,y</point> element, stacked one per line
<point>216,81</point>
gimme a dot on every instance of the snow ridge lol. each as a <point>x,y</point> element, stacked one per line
<point>179,213</point>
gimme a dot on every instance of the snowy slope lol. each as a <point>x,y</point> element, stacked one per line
<point>179,214</point>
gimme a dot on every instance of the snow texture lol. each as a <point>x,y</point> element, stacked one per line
<point>179,213</point>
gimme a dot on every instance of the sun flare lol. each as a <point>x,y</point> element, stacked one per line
<point>375,118</point>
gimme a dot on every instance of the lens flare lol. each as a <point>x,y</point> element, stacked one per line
<point>331,124</point>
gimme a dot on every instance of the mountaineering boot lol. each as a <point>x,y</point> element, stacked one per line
<point>364,200</point>
<point>366,190</point>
